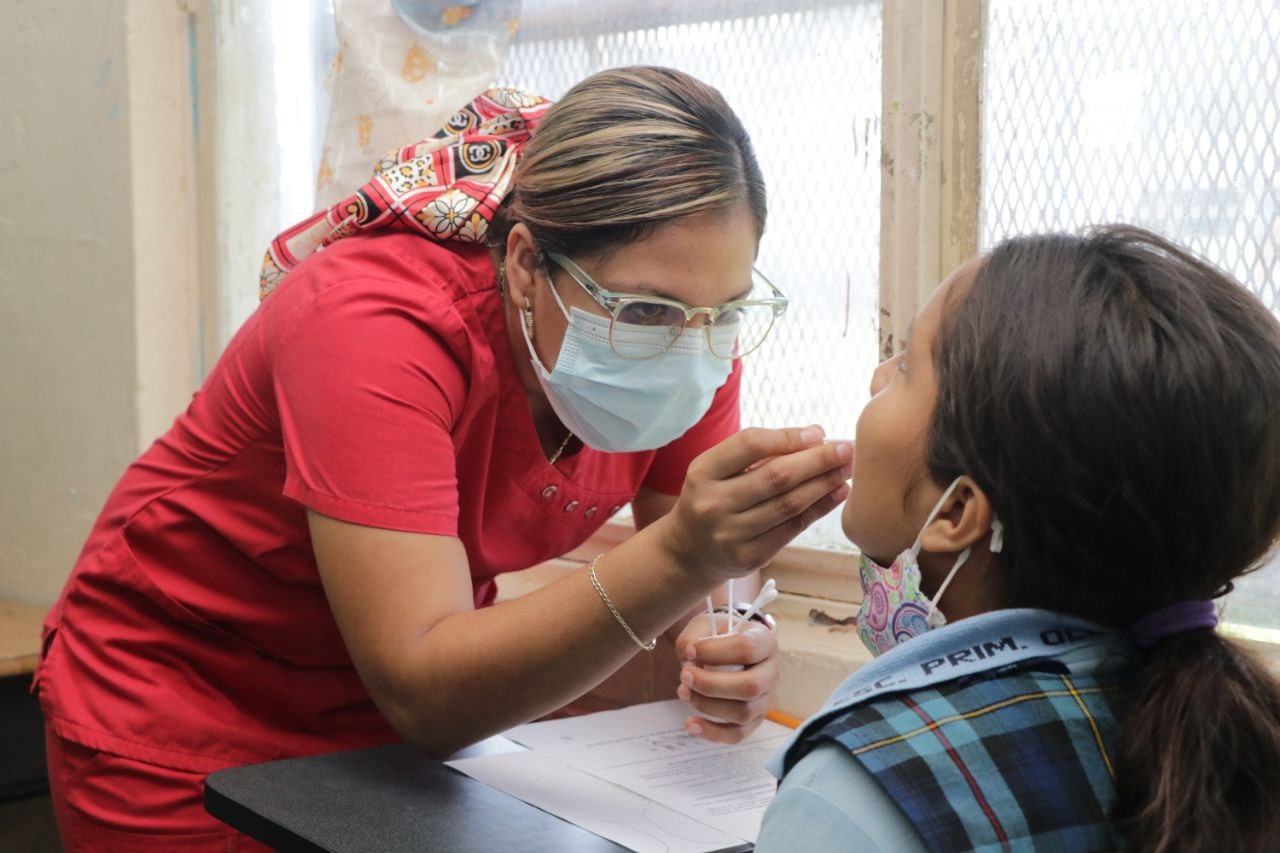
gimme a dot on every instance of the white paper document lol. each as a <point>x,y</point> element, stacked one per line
<point>593,804</point>
<point>636,777</point>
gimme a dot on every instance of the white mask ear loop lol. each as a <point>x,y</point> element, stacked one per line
<point>915,549</point>
<point>933,513</point>
<point>528,339</point>
<point>551,283</point>
<point>997,544</point>
<point>960,561</point>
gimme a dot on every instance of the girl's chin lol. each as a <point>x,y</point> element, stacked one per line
<point>853,530</point>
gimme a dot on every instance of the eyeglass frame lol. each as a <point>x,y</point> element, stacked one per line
<point>614,302</point>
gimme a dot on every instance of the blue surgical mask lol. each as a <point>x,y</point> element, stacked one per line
<point>894,608</point>
<point>621,405</point>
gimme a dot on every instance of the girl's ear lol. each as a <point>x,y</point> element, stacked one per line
<point>522,262</point>
<point>962,522</point>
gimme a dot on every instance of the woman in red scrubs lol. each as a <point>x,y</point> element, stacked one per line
<point>462,370</point>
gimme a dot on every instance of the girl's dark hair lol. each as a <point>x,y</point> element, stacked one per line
<point>1118,400</point>
<point>625,152</point>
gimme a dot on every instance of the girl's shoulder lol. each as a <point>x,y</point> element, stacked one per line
<point>831,802</point>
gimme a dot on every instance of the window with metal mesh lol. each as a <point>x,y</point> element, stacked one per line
<point>1162,113</point>
<point>804,77</point>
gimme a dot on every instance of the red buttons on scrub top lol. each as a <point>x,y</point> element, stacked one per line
<point>591,510</point>
<point>570,506</point>
<point>549,492</point>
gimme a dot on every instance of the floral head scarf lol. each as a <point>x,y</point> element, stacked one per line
<point>446,187</point>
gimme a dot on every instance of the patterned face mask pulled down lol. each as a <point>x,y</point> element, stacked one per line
<point>893,607</point>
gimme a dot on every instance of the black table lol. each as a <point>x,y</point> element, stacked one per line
<point>387,798</point>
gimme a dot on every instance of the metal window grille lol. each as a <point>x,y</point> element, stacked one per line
<point>1164,113</point>
<point>804,77</point>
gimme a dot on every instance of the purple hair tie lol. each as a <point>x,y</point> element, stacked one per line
<point>1175,619</point>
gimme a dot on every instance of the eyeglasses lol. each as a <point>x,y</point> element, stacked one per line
<point>732,330</point>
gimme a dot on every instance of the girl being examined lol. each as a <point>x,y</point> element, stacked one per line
<point>1076,453</point>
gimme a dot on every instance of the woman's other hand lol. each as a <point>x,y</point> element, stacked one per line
<point>732,701</point>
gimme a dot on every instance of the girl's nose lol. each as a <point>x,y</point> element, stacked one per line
<point>880,376</point>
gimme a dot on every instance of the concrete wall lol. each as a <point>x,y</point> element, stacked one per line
<point>98,264</point>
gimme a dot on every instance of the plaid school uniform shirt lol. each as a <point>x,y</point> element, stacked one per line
<point>1018,758</point>
<point>963,738</point>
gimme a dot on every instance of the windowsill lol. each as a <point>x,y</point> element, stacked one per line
<point>813,658</point>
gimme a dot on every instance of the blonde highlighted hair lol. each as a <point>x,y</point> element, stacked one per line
<point>624,152</point>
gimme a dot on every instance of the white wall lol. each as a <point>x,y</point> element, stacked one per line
<point>98,262</point>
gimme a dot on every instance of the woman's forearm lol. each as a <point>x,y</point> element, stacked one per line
<point>480,672</point>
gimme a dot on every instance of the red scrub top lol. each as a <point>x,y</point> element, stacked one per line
<point>376,385</point>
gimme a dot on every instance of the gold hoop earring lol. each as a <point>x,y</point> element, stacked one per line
<point>528,319</point>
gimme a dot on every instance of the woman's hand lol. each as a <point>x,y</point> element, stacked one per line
<point>750,495</point>
<point>733,702</point>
